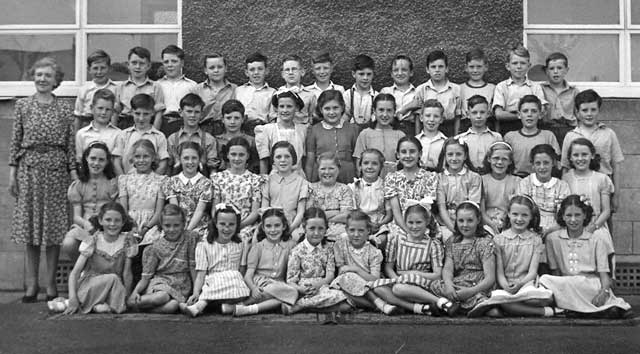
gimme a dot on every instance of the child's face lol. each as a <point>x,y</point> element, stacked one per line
<point>97,161</point>
<point>256,72</point>
<point>478,115</point>
<point>363,78</point>
<point>385,112</point>
<point>370,167</point>
<point>332,112</point>
<point>138,66</point>
<point>111,222</point>
<point>520,217</point>
<point>172,225</point>
<point>314,230</point>
<point>542,166</point>
<point>328,172</point>
<point>467,222</point>
<point>408,154</point>
<point>99,70</point>
<point>574,217</point>
<point>189,160</point>
<point>476,69</point>
<point>102,111</point>
<point>416,225</point>
<point>500,161</point>
<point>431,119</point>
<point>556,71</point>
<point>454,157</point>
<point>226,225</point>
<point>238,157</point>
<point>322,72</point>
<point>529,115</point>
<point>172,65</point>
<point>215,69</point>
<point>232,122</point>
<point>273,227</point>
<point>142,160</point>
<point>358,233</point>
<point>518,66</point>
<point>401,72</point>
<point>191,116</point>
<point>438,70</point>
<point>142,117</point>
<point>580,157</point>
<point>292,72</point>
<point>282,160</point>
<point>588,113</point>
<point>286,109</point>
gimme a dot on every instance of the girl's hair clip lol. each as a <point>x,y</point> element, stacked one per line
<point>586,200</point>
<point>530,199</point>
<point>475,205</point>
<point>262,211</point>
<point>222,206</point>
<point>425,202</point>
<point>501,143</point>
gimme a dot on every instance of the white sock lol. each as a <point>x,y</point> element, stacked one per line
<point>242,310</point>
<point>442,302</point>
<point>388,309</point>
<point>379,304</point>
<point>548,311</point>
<point>420,309</point>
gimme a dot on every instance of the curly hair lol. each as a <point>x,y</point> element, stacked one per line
<point>127,221</point>
<point>279,213</point>
<point>574,200</point>
<point>534,223</point>
<point>83,172</point>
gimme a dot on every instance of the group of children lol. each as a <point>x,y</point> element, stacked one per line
<point>249,199</point>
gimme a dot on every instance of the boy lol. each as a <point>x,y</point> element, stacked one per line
<point>142,109</point>
<point>605,140</point>
<point>100,128</point>
<point>322,68</point>
<point>476,68</point>
<point>560,96</point>
<point>479,137</point>
<point>292,73</point>
<point>523,140</point>
<point>256,94</point>
<point>174,86</point>
<point>403,91</point>
<point>99,63</point>
<point>508,93</point>
<point>191,111</point>
<point>431,138</point>
<point>440,88</point>
<point>139,63</point>
<point>232,118</point>
<point>359,98</point>
<point>214,91</point>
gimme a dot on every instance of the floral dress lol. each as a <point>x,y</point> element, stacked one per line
<point>142,191</point>
<point>337,198</point>
<point>43,151</point>
<point>189,194</point>
<point>367,258</point>
<point>422,188</point>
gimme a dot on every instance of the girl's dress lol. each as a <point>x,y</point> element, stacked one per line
<point>547,196</point>
<point>269,134</point>
<point>467,268</point>
<point>222,263</point>
<point>339,140</point>
<point>338,198</point>
<point>369,198</point>
<point>496,195</point>
<point>455,188</point>
<point>368,258</point>
<point>169,263</point>
<point>579,261</point>
<point>422,187</point>
<point>308,264</point>
<point>286,193</point>
<point>91,196</point>
<point>189,192</point>
<point>269,260</point>
<point>101,280</point>
<point>141,191</point>
<point>240,191</point>
<point>385,140</point>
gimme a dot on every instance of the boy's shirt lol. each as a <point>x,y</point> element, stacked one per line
<point>508,94</point>
<point>204,139</point>
<point>85,96</point>
<point>358,106</point>
<point>605,141</point>
<point>127,89</point>
<point>467,91</point>
<point>448,96</point>
<point>130,135</point>
<point>478,144</point>
<point>402,98</point>
<point>305,115</point>
<point>522,145</point>
<point>560,104</point>
<point>256,101</point>
<point>89,134</point>
<point>213,100</point>
<point>431,148</point>
<point>317,90</point>
<point>174,90</point>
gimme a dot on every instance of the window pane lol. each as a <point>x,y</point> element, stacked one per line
<point>118,45</point>
<point>132,12</point>
<point>601,50</point>
<point>38,12</point>
<point>573,12</point>
<point>635,12</point>
<point>635,57</point>
<point>18,52</point>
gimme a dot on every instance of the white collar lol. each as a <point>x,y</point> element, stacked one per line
<point>193,179</point>
<point>462,172</point>
<point>536,182</point>
<point>327,126</point>
<point>309,247</point>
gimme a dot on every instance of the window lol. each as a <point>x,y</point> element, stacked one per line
<point>69,30</point>
<point>600,37</point>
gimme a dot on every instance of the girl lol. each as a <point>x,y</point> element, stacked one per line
<point>333,197</point>
<point>410,184</point>
<point>285,188</point>
<point>545,190</point>
<point>311,268</point>
<point>167,266</point>
<point>266,267</point>
<point>498,186</point>
<point>101,278</point>
<point>215,91</point>
<point>332,135</point>
<point>239,187</point>
<point>189,189</point>
<point>381,135</point>
<point>457,182</point>
<point>413,261</point>
<point>470,266</point>
<point>219,265</point>
<point>96,185</point>
<point>579,264</point>
<point>284,129</point>
<point>233,119</point>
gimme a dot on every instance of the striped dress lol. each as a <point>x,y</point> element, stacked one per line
<point>222,263</point>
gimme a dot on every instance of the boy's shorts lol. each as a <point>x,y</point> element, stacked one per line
<point>125,121</point>
<point>171,123</point>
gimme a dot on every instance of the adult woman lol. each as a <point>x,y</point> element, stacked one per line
<point>41,159</point>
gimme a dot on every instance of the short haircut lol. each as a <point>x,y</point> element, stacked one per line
<point>191,100</point>
<point>328,156</point>
<point>433,103</point>
<point>475,54</point>
<point>256,57</point>
<point>233,106</point>
<point>497,146</point>
<point>556,56</point>
<point>359,215</point>
<point>477,99</point>
<point>543,149</point>
<point>402,57</point>
<point>292,57</point>
<point>363,61</point>
<point>534,223</point>
<point>98,55</point>
<point>594,164</point>
<point>51,63</point>
<point>142,100</point>
<point>213,56</point>
<point>326,96</point>
<point>282,144</point>
<point>173,49</point>
<point>382,97</point>
<point>530,99</point>
<point>587,96</point>
<point>287,94</point>
<point>574,200</point>
<point>143,53</point>
<point>104,94</point>
<point>235,141</point>
<point>518,50</point>
<point>437,55</point>
<point>321,57</point>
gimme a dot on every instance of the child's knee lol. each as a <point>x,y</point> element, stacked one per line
<point>400,289</point>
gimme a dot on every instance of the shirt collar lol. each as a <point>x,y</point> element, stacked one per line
<point>526,82</point>
<point>92,127</point>
<point>146,81</point>
<point>315,86</point>
<point>327,126</point>
<point>471,131</point>
<point>394,87</point>
<point>599,125</point>
<point>206,83</point>
<point>193,179</point>
<point>181,78</point>
<point>447,86</point>
<point>264,86</point>
<point>182,132</point>
<point>523,236</point>
<point>462,172</point>
<point>151,130</point>
<point>550,183</point>
<point>565,234</point>
<point>308,246</point>
<point>286,179</point>
<point>567,86</point>
<point>437,137</point>
<point>372,92</point>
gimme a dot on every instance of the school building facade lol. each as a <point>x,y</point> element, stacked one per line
<point>601,38</point>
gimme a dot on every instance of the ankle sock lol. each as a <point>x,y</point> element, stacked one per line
<point>442,302</point>
<point>379,304</point>
<point>420,309</point>
<point>388,309</point>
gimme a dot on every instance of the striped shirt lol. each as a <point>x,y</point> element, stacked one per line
<point>219,257</point>
<point>411,255</point>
